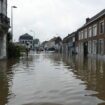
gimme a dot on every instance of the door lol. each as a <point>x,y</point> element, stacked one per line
<point>85,48</point>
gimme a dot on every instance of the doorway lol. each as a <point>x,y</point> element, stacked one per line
<point>85,45</point>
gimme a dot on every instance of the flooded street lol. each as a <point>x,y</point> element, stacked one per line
<point>52,79</point>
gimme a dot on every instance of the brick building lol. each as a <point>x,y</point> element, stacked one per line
<point>70,44</point>
<point>91,36</point>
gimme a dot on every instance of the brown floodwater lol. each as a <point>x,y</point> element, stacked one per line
<point>52,79</point>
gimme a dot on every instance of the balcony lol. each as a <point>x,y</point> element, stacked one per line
<point>4,21</point>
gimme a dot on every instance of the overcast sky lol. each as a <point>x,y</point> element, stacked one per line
<point>49,18</point>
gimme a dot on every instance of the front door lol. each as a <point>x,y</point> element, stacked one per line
<point>85,48</point>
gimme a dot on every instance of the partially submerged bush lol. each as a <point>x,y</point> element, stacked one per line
<point>13,51</point>
<point>22,48</point>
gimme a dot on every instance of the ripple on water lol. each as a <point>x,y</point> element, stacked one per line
<point>44,80</point>
<point>42,104</point>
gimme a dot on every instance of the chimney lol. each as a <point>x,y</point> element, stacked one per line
<point>87,20</point>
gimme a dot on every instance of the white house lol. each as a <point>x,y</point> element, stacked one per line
<point>54,44</point>
<point>26,40</point>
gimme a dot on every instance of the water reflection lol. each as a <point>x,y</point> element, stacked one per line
<point>90,70</point>
<point>54,58</point>
<point>52,79</point>
<point>6,75</point>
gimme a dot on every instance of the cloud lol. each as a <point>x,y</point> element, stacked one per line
<point>51,17</point>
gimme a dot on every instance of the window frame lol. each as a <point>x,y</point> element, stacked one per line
<point>79,35</point>
<point>90,31</point>
<point>95,31</point>
<point>101,27</point>
<point>85,33</point>
<point>82,34</point>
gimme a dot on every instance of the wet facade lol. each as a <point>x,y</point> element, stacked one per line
<point>54,44</point>
<point>92,36</point>
<point>4,26</point>
<point>89,39</point>
<point>70,44</point>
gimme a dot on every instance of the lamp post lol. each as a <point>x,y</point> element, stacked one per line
<point>12,21</point>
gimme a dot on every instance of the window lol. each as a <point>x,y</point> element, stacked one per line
<point>90,31</point>
<point>73,39</point>
<point>26,42</point>
<point>85,33</point>
<point>101,46</point>
<point>94,30</point>
<point>101,27</point>
<point>81,34</point>
<point>23,41</point>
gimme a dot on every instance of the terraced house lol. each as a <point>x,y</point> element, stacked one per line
<point>92,35</point>
<point>70,44</point>
<point>4,26</point>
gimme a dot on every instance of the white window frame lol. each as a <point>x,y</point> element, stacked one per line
<point>79,35</point>
<point>102,27</point>
<point>101,42</point>
<point>82,35</point>
<point>90,31</point>
<point>95,30</point>
<point>73,39</point>
<point>86,33</point>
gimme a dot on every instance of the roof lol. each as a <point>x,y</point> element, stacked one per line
<point>66,39</point>
<point>53,39</point>
<point>94,18</point>
<point>58,40</point>
<point>26,37</point>
<point>43,43</point>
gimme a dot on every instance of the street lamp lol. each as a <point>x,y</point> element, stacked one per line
<point>12,21</point>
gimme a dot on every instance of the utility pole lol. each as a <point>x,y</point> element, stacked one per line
<point>12,21</point>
